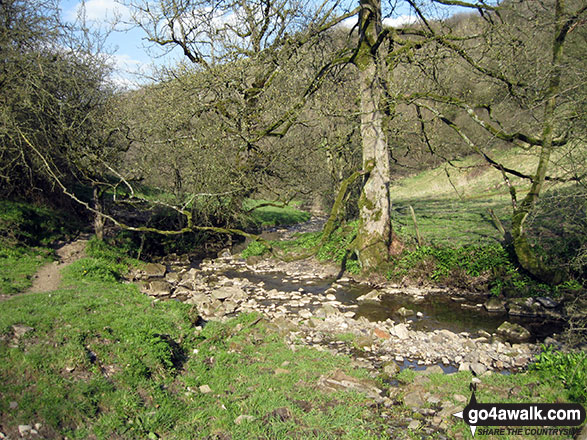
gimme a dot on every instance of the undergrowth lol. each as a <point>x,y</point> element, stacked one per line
<point>569,368</point>
<point>335,249</point>
<point>26,231</point>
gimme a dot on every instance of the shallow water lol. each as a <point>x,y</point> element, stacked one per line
<point>438,310</point>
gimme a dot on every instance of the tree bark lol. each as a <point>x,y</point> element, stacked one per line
<point>524,252</point>
<point>374,232</point>
<point>98,218</point>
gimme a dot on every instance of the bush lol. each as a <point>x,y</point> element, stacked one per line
<point>254,249</point>
<point>96,269</point>
<point>24,224</point>
<point>569,368</point>
<point>492,264</point>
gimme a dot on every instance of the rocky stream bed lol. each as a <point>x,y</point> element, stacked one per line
<point>379,325</point>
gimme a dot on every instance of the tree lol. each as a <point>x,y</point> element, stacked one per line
<point>530,93</point>
<point>53,101</point>
<point>374,234</point>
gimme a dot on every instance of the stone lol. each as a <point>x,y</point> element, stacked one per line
<point>154,270</point>
<point>173,277</point>
<point>494,305</point>
<point>364,341</point>
<point>233,292</point>
<point>205,389</point>
<point>460,398</point>
<point>341,381</point>
<point>464,366</point>
<point>349,314</point>
<point>224,253</point>
<point>513,332</point>
<point>414,424</point>
<point>305,314</point>
<point>547,302</point>
<point>529,307</point>
<point>20,330</point>
<point>279,371</point>
<point>283,414</point>
<point>478,368</point>
<point>243,418</point>
<point>390,369</point>
<point>229,306</point>
<point>13,405</point>
<point>434,369</point>
<point>381,334</point>
<point>404,313</point>
<point>24,429</point>
<point>326,311</point>
<point>374,295</point>
<point>159,288</point>
<point>401,331</point>
<point>414,400</point>
<point>551,341</point>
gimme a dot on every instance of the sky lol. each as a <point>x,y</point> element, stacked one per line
<point>126,45</point>
<point>132,61</point>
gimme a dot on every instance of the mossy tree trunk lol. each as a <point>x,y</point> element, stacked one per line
<point>524,252</point>
<point>99,220</point>
<point>374,232</point>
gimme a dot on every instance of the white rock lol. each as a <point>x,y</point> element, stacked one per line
<point>24,429</point>
<point>243,418</point>
<point>205,389</point>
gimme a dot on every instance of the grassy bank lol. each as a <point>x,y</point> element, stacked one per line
<point>101,359</point>
<point>26,233</point>
<point>97,359</point>
<point>265,213</point>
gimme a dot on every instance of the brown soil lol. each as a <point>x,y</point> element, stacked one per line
<point>48,277</point>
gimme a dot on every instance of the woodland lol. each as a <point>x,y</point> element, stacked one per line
<point>387,129</point>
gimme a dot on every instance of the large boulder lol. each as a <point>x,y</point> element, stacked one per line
<point>533,308</point>
<point>513,332</point>
<point>494,305</point>
<point>154,270</point>
<point>233,292</point>
<point>374,295</point>
<point>159,288</point>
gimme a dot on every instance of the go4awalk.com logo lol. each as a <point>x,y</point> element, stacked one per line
<point>530,419</point>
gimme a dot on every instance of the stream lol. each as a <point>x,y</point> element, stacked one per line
<point>411,327</point>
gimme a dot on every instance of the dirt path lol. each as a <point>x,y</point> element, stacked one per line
<point>48,277</point>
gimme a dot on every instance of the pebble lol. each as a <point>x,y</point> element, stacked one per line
<point>205,389</point>
<point>24,429</point>
<point>243,418</point>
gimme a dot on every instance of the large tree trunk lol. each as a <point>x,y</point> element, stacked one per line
<point>524,252</point>
<point>374,233</point>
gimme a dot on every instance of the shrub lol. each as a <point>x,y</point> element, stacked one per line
<point>569,368</point>
<point>254,249</point>
<point>96,269</point>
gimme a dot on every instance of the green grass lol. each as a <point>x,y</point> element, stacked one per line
<point>105,360</point>
<point>275,215</point>
<point>451,222</point>
<point>25,233</point>
<point>18,265</point>
<point>527,387</point>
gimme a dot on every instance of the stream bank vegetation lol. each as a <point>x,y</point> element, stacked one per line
<point>98,358</point>
<point>448,149</point>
